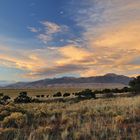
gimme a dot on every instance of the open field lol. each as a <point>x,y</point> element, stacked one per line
<point>34,92</point>
<point>100,119</point>
<point>62,88</point>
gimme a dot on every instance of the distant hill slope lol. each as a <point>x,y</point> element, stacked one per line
<point>106,79</point>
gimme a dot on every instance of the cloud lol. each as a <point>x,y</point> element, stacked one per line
<point>48,31</point>
<point>110,43</point>
<point>17,59</point>
<point>50,27</point>
<point>124,36</point>
<point>70,59</point>
<point>74,53</point>
<point>45,38</point>
<point>112,33</point>
<point>57,70</point>
<point>33,29</point>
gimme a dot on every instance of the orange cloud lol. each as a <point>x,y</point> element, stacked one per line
<point>126,36</point>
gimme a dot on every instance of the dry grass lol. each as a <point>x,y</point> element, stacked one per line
<point>33,92</point>
<point>63,89</point>
<point>102,119</point>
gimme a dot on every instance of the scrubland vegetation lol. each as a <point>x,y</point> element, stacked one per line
<point>84,117</point>
<point>101,119</point>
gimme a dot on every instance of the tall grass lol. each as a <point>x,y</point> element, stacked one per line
<point>102,119</point>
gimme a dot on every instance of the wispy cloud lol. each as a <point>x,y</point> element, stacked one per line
<point>33,29</point>
<point>50,27</point>
<point>48,30</point>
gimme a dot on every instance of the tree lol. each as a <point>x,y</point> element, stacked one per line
<point>135,84</point>
<point>66,94</point>
<point>58,94</point>
<point>23,98</point>
<point>126,89</point>
<point>87,93</point>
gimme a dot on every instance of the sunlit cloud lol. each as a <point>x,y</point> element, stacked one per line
<point>124,37</point>
<point>112,33</point>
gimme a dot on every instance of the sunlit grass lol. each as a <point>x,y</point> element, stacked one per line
<point>104,119</point>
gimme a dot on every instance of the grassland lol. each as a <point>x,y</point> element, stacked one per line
<point>34,92</point>
<point>100,119</point>
<point>51,90</point>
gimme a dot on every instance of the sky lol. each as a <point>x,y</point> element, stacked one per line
<point>54,38</point>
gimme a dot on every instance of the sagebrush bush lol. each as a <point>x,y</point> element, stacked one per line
<point>15,120</point>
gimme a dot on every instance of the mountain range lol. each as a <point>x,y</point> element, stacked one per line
<point>71,81</point>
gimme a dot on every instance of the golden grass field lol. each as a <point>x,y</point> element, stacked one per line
<point>100,119</point>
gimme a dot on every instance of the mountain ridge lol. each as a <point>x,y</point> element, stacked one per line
<point>107,78</point>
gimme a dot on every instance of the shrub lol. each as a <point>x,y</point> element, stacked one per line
<point>23,98</point>
<point>15,120</point>
<point>87,93</point>
<point>97,92</point>
<point>23,94</point>
<point>38,96</point>
<point>108,95</point>
<point>4,99</point>
<point>115,90</point>
<point>66,94</point>
<point>106,90</point>
<point>58,94</point>
<point>3,114</point>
